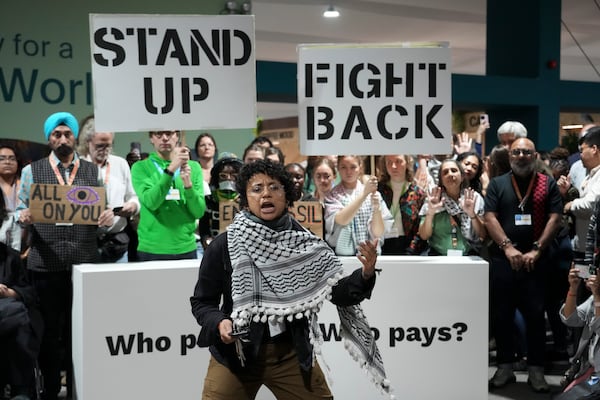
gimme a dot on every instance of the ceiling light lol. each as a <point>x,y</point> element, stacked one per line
<point>331,12</point>
<point>575,126</point>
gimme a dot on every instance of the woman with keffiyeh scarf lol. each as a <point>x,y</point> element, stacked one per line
<point>260,287</point>
<point>452,217</point>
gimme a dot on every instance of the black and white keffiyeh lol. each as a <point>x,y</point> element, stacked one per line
<point>453,208</point>
<point>287,274</point>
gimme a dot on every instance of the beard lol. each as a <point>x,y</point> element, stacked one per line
<point>63,150</point>
<point>100,157</point>
<point>522,169</point>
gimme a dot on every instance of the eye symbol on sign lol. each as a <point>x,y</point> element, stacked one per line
<point>83,195</point>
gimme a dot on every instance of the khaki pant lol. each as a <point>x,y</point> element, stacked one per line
<point>276,367</point>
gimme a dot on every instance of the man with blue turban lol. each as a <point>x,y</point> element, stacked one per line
<point>56,247</point>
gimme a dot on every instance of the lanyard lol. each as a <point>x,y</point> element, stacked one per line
<point>453,231</point>
<point>161,170</point>
<point>523,200</point>
<point>396,205</point>
<point>60,178</point>
<point>106,176</point>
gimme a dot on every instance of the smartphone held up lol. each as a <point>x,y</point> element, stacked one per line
<point>484,119</point>
<point>585,271</point>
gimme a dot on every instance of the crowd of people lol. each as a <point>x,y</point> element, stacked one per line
<point>527,216</point>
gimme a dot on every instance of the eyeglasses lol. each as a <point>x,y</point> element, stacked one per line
<point>581,148</point>
<point>10,159</point>
<point>167,134</point>
<point>272,188</point>
<point>518,152</point>
<point>102,146</point>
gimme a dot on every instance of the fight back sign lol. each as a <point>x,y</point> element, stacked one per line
<point>375,99</point>
<point>52,204</point>
<point>164,72</point>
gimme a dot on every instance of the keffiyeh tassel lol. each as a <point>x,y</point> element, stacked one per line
<point>270,282</point>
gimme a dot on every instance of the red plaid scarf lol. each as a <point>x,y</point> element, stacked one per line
<point>540,192</point>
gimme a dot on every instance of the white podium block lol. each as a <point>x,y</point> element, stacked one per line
<point>134,335</point>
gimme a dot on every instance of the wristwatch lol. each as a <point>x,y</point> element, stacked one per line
<point>536,246</point>
<point>166,171</point>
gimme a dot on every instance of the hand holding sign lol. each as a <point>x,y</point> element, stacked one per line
<point>179,156</point>
<point>25,217</point>
<point>186,175</point>
<point>370,186</point>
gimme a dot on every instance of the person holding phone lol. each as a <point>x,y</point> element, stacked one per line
<point>170,188</point>
<point>114,174</point>
<point>582,378</point>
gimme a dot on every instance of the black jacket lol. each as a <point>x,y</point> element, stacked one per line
<point>214,283</point>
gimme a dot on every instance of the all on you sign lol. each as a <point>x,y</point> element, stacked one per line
<point>375,99</point>
<point>66,204</point>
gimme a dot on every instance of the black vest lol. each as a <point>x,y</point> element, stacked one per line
<point>56,248</point>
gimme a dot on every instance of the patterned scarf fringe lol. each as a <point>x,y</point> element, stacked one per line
<point>244,315</point>
<point>245,244</point>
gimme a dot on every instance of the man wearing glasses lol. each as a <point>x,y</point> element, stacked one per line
<point>522,213</point>
<point>170,189</point>
<point>583,207</point>
<point>114,174</point>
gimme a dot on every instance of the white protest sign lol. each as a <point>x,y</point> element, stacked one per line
<point>165,72</point>
<point>374,99</point>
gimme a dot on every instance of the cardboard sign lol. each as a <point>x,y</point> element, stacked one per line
<point>81,205</point>
<point>310,215</point>
<point>227,211</point>
<point>165,72</point>
<point>375,99</point>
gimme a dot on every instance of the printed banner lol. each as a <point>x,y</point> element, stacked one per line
<point>165,72</point>
<point>375,99</point>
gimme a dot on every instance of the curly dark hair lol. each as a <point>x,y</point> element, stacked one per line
<point>267,167</point>
<point>474,183</point>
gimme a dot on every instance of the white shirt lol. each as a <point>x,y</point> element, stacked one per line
<point>577,174</point>
<point>118,186</point>
<point>583,207</point>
